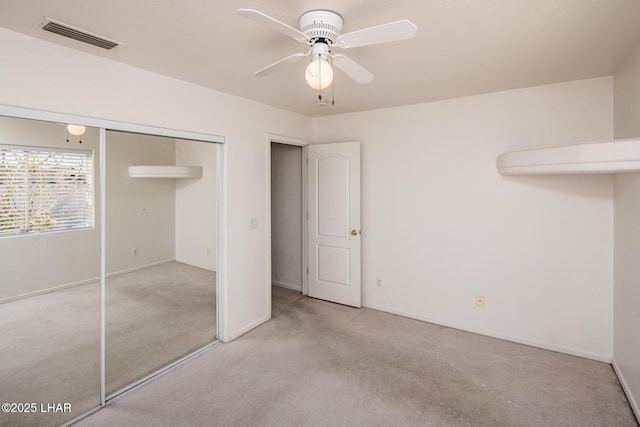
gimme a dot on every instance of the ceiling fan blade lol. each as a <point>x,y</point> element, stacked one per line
<point>398,30</point>
<point>352,69</point>
<point>272,23</point>
<point>270,69</point>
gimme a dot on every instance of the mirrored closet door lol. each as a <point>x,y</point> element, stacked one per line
<point>161,253</point>
<point>156,265</point>
<point>49,272</point>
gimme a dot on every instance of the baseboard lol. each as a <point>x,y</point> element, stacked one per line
<point>627,390</point>
<point>287,286</point>
<point>237,334</point>
<point>48,290</point>
<point>560,349</point>
<point>82,282</point>
<point>204,267</point>
<point>138,268</point>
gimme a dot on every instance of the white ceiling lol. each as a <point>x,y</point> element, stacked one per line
<point>463,47</point>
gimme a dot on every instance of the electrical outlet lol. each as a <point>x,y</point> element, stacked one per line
<point>480,300</point>
<point>134,251</point>
<point>379,283</point>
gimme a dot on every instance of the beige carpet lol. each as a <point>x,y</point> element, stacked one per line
<point>282,299</point>
<point>49,344</point>
<point>154,317</point>
<point>322,364</point>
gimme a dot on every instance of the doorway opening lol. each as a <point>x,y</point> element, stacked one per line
<point>287,258</point>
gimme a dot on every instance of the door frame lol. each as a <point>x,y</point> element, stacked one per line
<point>287,140</point>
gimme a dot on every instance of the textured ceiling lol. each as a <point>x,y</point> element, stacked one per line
<point>463,47</point>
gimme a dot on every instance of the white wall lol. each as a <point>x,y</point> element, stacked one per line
<point>140,213</point>
<point>286,216</point>
<point>36,262</point>
<point>197,206</point>
<point>441,226</point>
<point>109,90</point>
<point>626,351</point>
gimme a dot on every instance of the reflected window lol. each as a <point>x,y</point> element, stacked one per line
<point>44,189</point>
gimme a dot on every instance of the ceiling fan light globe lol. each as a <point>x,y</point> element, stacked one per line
<point>319,74</point>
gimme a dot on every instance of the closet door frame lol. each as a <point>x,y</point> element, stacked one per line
<point>103,126</point>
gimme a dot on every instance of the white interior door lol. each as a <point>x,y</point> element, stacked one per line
<point>334,222</point>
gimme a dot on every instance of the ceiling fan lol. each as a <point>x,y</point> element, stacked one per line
<point>321,30</point>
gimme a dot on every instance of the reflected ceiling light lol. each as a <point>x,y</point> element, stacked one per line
<point>76,130</point>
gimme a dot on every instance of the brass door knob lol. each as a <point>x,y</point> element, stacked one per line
<point>354,232</point>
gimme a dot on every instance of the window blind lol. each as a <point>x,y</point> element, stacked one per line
<point>45,189</point>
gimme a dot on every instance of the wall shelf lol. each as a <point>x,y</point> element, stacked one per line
<point>148,171</point>
<point>595,157</point>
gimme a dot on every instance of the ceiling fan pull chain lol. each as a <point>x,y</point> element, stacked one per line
<point>319,80</point>
<point>333,91</point>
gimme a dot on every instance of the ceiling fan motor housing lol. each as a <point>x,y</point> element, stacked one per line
<point>321,24</point>
<point>320,50</point>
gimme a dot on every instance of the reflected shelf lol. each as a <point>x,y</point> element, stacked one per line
<point>615,156</point>
<point>153,171</point>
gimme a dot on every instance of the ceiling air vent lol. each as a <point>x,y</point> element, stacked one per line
<point>75,33</point>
